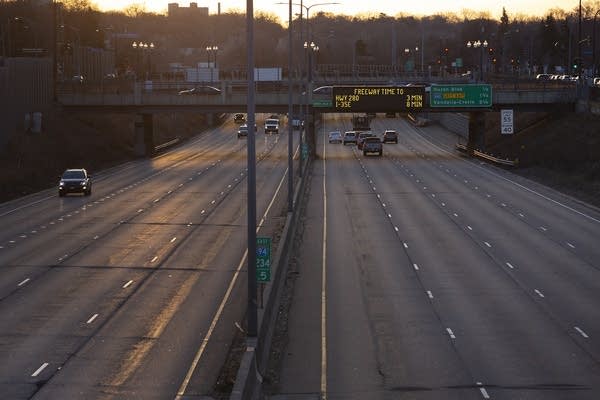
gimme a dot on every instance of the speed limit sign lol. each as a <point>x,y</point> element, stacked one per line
<point>506,122</point>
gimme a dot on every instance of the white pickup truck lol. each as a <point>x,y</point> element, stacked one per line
<point>271,125</point>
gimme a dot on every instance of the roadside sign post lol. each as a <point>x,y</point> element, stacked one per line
<point>263,264</point>
<point>506,122</point>
<point>263,259</point>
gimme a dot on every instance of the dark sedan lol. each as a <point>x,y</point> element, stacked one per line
<point>75,181</point>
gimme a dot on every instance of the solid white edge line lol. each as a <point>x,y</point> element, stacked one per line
<point>213,324</point>
<point>40,369</point>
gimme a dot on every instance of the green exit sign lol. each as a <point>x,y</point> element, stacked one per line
<point>263,259</point>
<point>474,95</point>
<point>322,103</point>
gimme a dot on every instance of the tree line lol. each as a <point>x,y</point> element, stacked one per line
<point>514,42</point>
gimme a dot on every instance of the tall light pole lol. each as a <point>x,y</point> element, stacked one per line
<point>478,44</point>
<point>311,48</point>
<point>145,49</point>
<point>78,52</point>
<point>212,50</point>
<point>252,316</point>
<point>290,117</point>
<point>306,88</point>
<point>594,44</point>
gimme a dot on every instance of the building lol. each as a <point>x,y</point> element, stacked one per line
<point>193,11</point>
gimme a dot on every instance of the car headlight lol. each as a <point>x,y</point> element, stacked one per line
<point>61,183</point>
<point>82,183</point>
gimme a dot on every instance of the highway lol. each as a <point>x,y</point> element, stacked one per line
<point>136,291</point>
<point>426,275</point>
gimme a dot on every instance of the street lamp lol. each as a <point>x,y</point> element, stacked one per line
<point>213,50</point>
<point>305,90</point>
<point>145,49</point>
<point>478,44</point>
<point>310,48</point>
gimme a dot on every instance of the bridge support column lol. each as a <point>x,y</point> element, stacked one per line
<point>476,139</point>
<point>144,135</point>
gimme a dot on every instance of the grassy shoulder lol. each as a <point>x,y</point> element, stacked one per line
<point>560,150</point>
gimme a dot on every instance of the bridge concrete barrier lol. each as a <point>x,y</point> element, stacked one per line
<point>255,359</point>
<point>457,123</point>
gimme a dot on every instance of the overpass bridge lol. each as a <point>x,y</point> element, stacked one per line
<point>144,100</point>
<point>140,97</point>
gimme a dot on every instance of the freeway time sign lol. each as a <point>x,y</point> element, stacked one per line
<point>378,98</point>
<point>471,95</point>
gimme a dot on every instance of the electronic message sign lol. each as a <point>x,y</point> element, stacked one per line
<point>378,98</point>
<point>470,95</point>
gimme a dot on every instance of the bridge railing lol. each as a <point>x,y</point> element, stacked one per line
<point>275,93</point>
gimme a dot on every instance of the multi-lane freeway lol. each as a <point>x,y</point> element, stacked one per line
<point>137,290</point>
<point>425,275</point>
<point>419,275</point>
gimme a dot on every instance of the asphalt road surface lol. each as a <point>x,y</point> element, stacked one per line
<point>426,275</point>
<point>134,292</point>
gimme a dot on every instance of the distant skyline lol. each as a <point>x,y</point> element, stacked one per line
<point>353,7</point>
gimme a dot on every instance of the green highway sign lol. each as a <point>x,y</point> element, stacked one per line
<point>469,95</point>
<point>263,259</point>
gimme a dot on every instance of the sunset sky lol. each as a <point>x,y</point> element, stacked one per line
<point>352,7</point>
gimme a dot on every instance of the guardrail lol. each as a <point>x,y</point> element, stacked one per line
<point>502,161</point>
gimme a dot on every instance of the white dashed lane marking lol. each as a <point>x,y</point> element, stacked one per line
<point>92,318</point>
<point>125,286</point>
<point>24,282</point>
<point>450,333</point>
<point>581,332</point>
<point>484,392</point>
<point>40,369</point>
